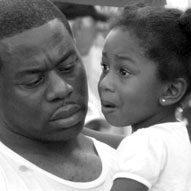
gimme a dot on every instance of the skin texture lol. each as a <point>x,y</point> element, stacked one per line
<point>128,87</point>
<point>44,102</point>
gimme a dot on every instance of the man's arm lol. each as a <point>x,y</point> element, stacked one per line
<point>115,3</point>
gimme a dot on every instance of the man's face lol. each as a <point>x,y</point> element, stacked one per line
<point>43,88</point>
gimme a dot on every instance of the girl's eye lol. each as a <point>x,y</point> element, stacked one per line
<point>105,68</point>
<point>124,72</point>
<point>36,82</point>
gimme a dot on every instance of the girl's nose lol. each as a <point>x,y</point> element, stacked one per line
<point>106,83</point>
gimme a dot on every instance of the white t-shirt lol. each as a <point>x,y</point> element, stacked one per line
<point>158,157</point>
<point>18,174</point>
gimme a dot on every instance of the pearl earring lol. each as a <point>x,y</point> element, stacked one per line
<point>163,100</point>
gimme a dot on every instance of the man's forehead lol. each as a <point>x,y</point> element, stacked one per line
<point>54,29</point>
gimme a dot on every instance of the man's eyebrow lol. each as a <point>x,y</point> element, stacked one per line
<point>29,71</point>
<point>67,55</point>
<point>39,69</point>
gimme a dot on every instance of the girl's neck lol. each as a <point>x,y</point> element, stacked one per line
<point>164,117</point>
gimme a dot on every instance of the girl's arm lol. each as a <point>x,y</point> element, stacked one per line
<point>108,138</point>
<point>124,184</point>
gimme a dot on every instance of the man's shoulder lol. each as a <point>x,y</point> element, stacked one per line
<point>101,147</point>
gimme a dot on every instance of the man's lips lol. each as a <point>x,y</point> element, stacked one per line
<point>65,111</point>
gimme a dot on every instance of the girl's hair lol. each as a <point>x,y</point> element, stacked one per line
<point>165,36</point>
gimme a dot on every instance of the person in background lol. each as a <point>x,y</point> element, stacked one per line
<point>43,104</point>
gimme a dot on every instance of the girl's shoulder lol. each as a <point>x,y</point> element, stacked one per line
<point>161,135</point>
<point>162,128</point>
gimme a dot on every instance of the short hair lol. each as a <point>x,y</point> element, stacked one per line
<point>17,16</point>
<point>165,36</point>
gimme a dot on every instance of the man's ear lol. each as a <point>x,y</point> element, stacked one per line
<point>173,92</point>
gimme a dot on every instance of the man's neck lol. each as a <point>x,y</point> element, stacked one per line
<point>23,144</point>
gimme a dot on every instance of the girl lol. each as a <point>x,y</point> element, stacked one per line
<point>146,74</point>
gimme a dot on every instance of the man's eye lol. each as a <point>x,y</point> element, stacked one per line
<point>34,83</point>
<point>105,68</point>
<point>69,65</point>
<point>66,69</point>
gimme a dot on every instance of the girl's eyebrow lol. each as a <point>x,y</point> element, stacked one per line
<point>120,56</point>
<point>124,56</point>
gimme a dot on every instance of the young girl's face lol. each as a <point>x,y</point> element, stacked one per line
<point>128,87</point>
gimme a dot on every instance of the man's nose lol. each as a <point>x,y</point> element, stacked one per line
<point>58,88</point>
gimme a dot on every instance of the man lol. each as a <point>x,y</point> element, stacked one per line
<point>43,103</point>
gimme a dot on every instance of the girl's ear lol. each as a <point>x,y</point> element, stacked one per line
<point>173,92</point>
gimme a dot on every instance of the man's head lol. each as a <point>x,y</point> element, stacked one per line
<point>19,15</point>
<point>43,90</point>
